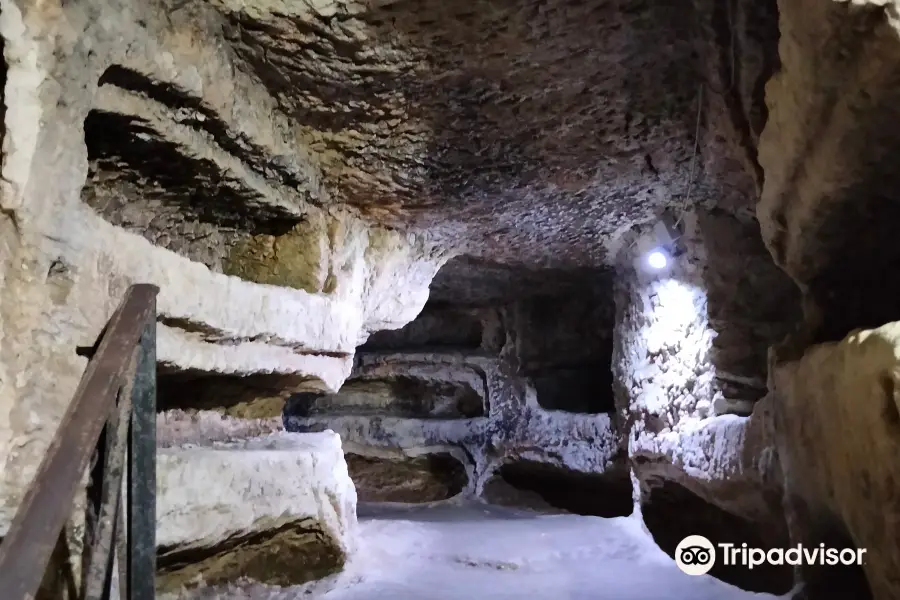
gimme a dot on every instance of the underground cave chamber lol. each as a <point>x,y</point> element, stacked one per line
<point>555,401</point>
<point>468,299</point>
<point>569,394</point>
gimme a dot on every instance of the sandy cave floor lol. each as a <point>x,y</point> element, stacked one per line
<point>467,552</point>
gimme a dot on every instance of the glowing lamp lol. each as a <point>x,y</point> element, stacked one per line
<point>656,248</point>
<point>657,260</point>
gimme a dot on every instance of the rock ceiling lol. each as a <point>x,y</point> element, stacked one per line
<point>525,133</point>
<point>544,126</point>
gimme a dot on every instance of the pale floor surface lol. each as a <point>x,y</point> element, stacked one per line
<point>478,552</point>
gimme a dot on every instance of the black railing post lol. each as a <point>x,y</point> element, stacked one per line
<point>98,582</point>
<point>142,470</point>
<point>34,533</point>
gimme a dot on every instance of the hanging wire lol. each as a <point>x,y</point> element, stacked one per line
<point>689,185</point>
<point>729,13</point>
<point>690,181</point>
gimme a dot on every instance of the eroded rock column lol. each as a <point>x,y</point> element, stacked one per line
<point>138,150</point>
<point>683,398</point>
<point>828,212</point>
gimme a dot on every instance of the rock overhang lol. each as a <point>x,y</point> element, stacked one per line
<point>526,133</point>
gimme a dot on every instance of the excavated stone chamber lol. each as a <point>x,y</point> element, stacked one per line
<point>418,225</point>
<point>277,509</point>
<point>483,407</point>
<point>140,150</point>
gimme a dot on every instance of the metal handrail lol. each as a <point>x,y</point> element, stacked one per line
<point>112,418</point>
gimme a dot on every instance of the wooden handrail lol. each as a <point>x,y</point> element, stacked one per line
<point>47,505</point>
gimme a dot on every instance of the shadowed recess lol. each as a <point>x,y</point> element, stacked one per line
<point>594,494</point>
<point>257,396</point>
<point>193,112</point>
<point>437,328</point>
<point>402,396</point>
<point>428,478</point>
<point>586,389</point>
<point>672,512</point>
<point>130,157</point>
<point>290,554</point>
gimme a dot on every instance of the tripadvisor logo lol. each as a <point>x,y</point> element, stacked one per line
<point>696,555</point>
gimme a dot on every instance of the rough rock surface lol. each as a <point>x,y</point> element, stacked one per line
<point>844,492</point>
<point>208,323</point>
<point>490,111</point>
<point>278,509</point>
<point>176,428</point>
<point>684,399</point>
<point>827,151</point>
<point>512,364</point>
<point>384,476</point>
<point>692,340</point>
<point>827,215</point>
<point>176,143</point>
<point>177,148</point>
<point>294,174</point>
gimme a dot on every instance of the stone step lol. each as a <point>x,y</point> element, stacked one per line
<point>278,508</point>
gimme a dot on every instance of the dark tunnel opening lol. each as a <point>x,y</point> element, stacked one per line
<point>414,480</point>
<point>601,495</point>
<point>672,512</point>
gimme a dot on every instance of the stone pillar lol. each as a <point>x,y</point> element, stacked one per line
<point>684,398</point>
<point>663,375</point>
<point>691,340</point>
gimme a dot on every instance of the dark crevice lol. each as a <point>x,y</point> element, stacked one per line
<point>437,328</point>
<point>477,282</point>
<point>744,323</point>
<point>420,479</point>
<point>213,335</point>
<point>125,152</point>
<point>3,69</point>
<point>400,396</point>
<point>290,554</point>
<point>853,289</point>
<point>564,345</point>
<point>605,495</point>
<point>170,558</point>
<point>828,582</point>
<point>580,389</point>
<point>245,396</point>
<point>727,39</point>
<point>763,19</point>
<point>672,512</point>
<point>206,120</point>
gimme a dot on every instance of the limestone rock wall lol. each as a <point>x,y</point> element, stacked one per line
<point>826,209</point>
<point>135,150</point>
<point>827,213</point>
<point>279,509</point>
<point>838,434</point>
<point>692,340</point>
<point>690,410</point>
<point>467,383</point>
<point>239,154</point>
